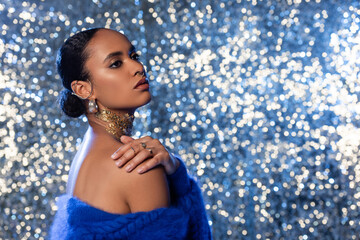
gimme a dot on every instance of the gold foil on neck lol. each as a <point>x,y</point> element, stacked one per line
<point>118,125</point>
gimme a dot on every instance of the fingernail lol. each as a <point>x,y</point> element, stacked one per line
<point>141,170</point>
<point>128,168</point>
<point>118,163</point>
<point>115,153</point>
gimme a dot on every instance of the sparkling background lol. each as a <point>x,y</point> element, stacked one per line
<point>260,98</point>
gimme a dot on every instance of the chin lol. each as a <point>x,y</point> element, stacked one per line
<point>146,101</point>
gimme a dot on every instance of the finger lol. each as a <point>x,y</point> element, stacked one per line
<point>132,143</point>
<point>148,165</point>
<point>129,154</point>
<point>120,151</point>
<point>126,139</point>
<point>138,159</point>
<point>144,139</point>
<point>155,143</point>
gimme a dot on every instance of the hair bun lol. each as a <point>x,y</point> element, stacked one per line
<point>71,105</point>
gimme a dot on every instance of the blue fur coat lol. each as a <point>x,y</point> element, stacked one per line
<point>184,219</point>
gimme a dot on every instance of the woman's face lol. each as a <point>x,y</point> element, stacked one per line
<point>115,71</point>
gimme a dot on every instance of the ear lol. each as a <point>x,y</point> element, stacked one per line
<point>81,88</point>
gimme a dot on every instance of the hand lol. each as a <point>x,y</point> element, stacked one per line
<point>134,152</point>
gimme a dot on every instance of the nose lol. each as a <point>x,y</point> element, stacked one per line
<point>136,68</point>
<point>140,73</point>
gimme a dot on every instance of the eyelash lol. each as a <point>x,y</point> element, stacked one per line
<point>133,56</point>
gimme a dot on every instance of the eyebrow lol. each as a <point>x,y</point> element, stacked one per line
<point>118,53</point>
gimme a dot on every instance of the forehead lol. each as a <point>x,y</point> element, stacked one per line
<point>106,41</point>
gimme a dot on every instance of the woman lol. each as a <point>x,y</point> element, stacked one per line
<point>147,193</point>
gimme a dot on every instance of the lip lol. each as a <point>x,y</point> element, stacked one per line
<point>142,81</point>
<point>144,86</point>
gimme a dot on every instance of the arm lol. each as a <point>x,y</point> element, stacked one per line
<point>148,191</point>
<point>186,195</point>
<point>184,219</point>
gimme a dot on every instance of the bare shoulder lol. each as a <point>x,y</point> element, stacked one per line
<point>142,192</point>
<point>104,185</point>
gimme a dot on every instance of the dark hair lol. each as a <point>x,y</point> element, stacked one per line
<point>70,63</point>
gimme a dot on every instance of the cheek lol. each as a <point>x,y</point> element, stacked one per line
<point>114,86</point>
<point>113,89</point>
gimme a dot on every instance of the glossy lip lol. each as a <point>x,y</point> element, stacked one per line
<point>144,86</point>
<point>143,80</point>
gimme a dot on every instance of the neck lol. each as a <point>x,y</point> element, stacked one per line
<point>114,123</point>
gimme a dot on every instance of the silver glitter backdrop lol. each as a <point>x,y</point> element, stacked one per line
<point>260,98</point>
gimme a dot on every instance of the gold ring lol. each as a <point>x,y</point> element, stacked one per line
<point>133,149</point>
<point>143,145</point>
<point>150,150</point>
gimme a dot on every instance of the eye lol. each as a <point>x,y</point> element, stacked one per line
<point>116,64</point>
<point>134,56</point>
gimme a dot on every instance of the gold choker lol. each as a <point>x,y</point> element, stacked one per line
<point>118,125</point>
